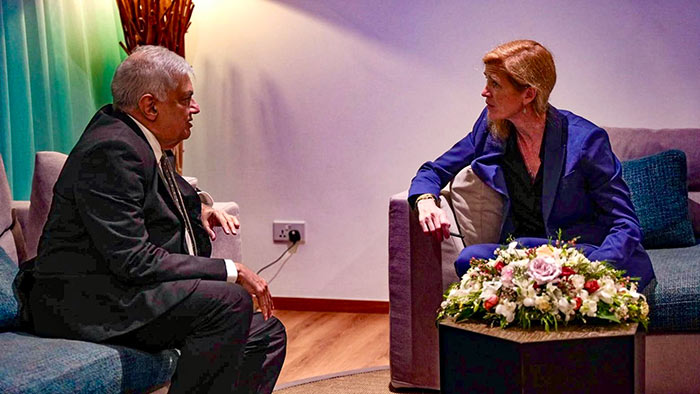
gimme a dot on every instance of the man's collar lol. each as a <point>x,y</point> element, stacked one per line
<point>151,138</point>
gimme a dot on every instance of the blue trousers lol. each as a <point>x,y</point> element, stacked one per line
<point>485,251</point>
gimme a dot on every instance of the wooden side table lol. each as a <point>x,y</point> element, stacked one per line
<point>475,358</point>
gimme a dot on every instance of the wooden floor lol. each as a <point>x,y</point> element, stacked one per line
<point>320,343</point>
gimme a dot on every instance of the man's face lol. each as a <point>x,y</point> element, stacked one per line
<point>174,120</point>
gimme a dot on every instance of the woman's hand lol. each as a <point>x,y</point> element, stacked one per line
<point>212,217</point>
<point>432,219</point>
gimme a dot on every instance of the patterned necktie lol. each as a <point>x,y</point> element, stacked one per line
<point>169,176</point>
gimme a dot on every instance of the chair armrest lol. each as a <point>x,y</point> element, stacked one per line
<point>227,246</point>
<point>21,208</point>
<point>20,218</point>
<point>418,266</point>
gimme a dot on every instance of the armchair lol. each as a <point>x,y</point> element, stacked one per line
<point>54,365</point>
<point>420,270</point>
<point>32,214</point>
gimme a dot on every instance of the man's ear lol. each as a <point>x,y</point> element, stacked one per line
<point>147,107</point>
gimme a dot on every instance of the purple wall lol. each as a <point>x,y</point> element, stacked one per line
<point>320,110</point>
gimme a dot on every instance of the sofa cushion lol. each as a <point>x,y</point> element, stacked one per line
<point>47,168</point>
<point>675,301</point>
<point>7,241</point>
<point>660,196</point>
<point>8,302</point>
<point>32,364</point>
<point>633,143</point>
<point>478,209</point>
<point>694,208</point>
<point>5,199</point>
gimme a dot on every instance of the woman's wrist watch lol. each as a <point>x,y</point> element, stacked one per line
<point>427,196</point>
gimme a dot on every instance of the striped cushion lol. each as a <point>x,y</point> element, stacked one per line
<point>660,196</point>
<point>44,365</point>
<point>675,301</point>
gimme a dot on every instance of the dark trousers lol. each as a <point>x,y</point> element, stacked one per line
<point>225,347</point>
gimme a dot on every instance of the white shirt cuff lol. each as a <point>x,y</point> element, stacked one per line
<point>205,198</point>
<point>231,271</point>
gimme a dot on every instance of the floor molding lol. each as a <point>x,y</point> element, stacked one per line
<point>330,305</point>
<point>329,376</point>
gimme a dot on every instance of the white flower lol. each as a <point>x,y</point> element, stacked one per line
<point>577,281</point>
<point>523,282</point>
<point>589,307</point>
<point>490,289</point>
<point>507,309</point>
<point>474,287</point>
<point>535,281</point>
<point>553,290</point>
<point>512,246</point>
<point>566,307</point>
<point>607,290</point>
<point>528,294</point>
<point>632,293</point>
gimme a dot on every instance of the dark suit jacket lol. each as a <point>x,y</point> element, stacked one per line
<point>112,255</point>
<point>583,192</point>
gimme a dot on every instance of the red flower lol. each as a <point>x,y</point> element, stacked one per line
<point>567,271</point>
<point>591,286</point>
<point>499,266</point>
<point>579,301</point>
<point>490,303</point>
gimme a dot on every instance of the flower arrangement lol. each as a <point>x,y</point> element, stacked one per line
<point>544,285</point>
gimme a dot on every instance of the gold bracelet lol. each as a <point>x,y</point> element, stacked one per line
<point>425,197</point>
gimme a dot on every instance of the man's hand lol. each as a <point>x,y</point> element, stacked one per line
<point>433,219</point>
<point>257,287</point>
<point>212,217</point>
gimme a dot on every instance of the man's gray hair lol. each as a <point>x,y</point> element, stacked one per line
<point>149,69</point>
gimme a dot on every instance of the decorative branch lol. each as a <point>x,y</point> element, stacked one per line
<point>155,22</point>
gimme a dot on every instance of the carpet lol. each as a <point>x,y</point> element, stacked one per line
<point>359,381</point>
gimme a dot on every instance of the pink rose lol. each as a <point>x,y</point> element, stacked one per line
<point>544,269</point>
<point>507,276</point>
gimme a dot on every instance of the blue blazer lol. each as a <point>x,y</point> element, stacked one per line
<point>583,192</point>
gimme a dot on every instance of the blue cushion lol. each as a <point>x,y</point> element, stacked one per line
<point>674,303</point>
<point>8,302</point>
<point>660,196</point>
<point>44,365</point>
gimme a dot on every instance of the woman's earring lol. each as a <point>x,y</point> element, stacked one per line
<point>524,110</point>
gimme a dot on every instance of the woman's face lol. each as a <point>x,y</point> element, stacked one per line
<point>503,100</point>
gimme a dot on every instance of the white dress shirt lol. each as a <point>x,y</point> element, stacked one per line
<point>231,270</point>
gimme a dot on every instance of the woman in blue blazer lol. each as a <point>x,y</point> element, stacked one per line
<point>555,170</point>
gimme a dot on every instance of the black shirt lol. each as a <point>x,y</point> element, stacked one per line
<point>525,195</point>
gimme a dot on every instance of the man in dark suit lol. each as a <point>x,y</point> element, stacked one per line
<point>123,257</point>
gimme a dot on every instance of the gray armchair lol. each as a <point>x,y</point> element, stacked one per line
<point>36,364</point>
<point>420,270</point>
<point>32,214</point>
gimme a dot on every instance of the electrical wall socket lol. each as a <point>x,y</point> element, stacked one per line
<point>281,228</point>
